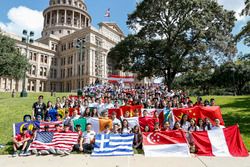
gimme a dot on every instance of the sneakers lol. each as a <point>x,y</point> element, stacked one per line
<point>43,152</point>
<point>34,151</point>
<point>59,152</point>
<point>52,151</point>
<point>14,154</point>
<point>66,152</point>
<point>22,153</point>
<point>25,153</point>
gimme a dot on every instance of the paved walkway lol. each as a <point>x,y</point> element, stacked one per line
<point>135,161</point>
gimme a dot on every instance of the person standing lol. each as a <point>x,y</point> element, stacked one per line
<point>39,109</point>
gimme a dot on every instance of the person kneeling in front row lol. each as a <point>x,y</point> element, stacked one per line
<point>87,140</point>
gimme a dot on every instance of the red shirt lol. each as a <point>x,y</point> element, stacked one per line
<point>21,137</point>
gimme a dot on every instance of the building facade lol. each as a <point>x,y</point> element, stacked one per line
<point>56,64</point>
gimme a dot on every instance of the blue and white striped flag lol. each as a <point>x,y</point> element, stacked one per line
<point>113,145</point>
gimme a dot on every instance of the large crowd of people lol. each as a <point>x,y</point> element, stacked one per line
<point>97,100</point>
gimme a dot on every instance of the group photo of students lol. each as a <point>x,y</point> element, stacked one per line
<point>103,102</point>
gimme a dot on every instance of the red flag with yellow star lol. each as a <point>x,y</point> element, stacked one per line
<point>197,112</point>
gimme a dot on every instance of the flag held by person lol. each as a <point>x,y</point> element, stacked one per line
<point>224,142</point>
<point>197,112</point>
<point>99,124</point>
<point>113,145</point>
<point>82,122</point>
<point>165,144</point>
<point>47,140</point>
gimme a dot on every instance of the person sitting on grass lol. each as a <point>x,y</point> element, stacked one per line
<point>87,140</point>
<point>20,141</point>
<point>79,131</point>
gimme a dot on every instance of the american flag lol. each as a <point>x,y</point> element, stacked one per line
<point>107,14</point>
<point>50,124</point>
<point>47,140</point>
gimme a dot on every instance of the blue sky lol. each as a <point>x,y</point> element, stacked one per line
<point>16,15</point>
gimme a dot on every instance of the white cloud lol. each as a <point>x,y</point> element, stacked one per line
<point>23,18</point>
<point>235,5</point>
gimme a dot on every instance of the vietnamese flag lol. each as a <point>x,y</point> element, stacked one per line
<point>200,112</point>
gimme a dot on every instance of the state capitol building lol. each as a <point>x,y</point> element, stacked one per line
<point>56,64</point>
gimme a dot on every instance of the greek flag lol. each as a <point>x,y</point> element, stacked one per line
<point>113,145</point>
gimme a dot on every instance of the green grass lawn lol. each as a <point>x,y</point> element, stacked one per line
<point>235,110</point>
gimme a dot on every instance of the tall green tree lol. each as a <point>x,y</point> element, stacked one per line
<point>174,36</point>
<point>245,31</point>
<point>12,62</point>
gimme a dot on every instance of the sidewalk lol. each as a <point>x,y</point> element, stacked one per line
<point>135,161</point>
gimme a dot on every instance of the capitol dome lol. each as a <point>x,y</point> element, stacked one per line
<point>64,17</point>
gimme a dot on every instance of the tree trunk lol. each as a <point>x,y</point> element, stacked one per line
<point>169,78</point>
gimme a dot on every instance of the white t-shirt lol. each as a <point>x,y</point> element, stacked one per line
<point>185,126</point>
<point>116,121</point>
<point>88,136</point>
<point>216,127</point>
<point>126,130</point>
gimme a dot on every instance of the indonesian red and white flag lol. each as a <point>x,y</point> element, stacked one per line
<point>165,144</point>
<point>222,142</point>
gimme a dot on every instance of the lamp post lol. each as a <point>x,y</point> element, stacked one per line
<point>27,39</point>
<point>80,45</point>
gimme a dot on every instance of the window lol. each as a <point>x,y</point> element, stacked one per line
<point>42,56</point>
<point>45,72</point>
<point>46,59</point>
<point>30,55</point>
<point>52,32</point>
<point>41,71</point>
<point>33,70</point>
<point>68,32</point>
<point>60,31</point>
<point>34,56</point>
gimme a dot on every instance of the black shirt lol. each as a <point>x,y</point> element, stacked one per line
<point>39,109</point>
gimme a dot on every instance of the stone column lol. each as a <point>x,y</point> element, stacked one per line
<point>37,85</point>
<point>57,16</point>
<point>65,16</point>
<point>50,18</point>
<point>80,20</point>
<point>73,18</point>
<point>85,20</point>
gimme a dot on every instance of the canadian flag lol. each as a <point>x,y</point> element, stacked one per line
<point>224,142</point>
<point>165,144</point>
